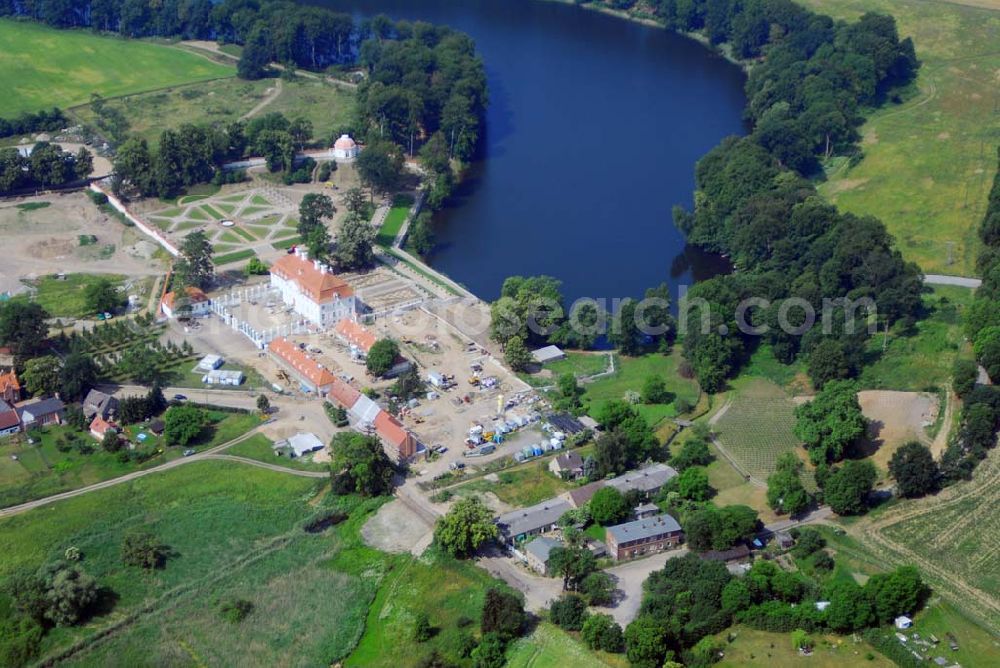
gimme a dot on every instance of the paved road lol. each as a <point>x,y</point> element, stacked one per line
<point>960,281</point>
<point>201,456</point>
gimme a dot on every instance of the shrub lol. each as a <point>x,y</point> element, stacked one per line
<point>142,549</point>
<point>235,611</point>
<point>568,612</point>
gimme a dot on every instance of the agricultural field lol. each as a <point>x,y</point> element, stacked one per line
<point>928,161</point>
<point>921,359</point>
<point>42,67</point>
<point>548,646</point>
<point>224,101</point>
<point>952,537</point>
<point>756,426</point>
<point>234,532</point>
<point>630,374</point>
<point>41,469</point>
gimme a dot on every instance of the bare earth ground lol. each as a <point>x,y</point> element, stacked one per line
<point>44,241</point>
<point>396,528</point>
<point>896,418</point>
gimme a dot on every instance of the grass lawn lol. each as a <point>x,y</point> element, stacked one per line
<point>774,650</point>
<point>236,532</point>
<point>793,377</point>
<point>42,470</point>
<point>285,244</point>
<point>922,359</point>
<point>259,447</point>
<point>758,425</point>
<point>67,298</point>
<point>580,364</point>
<point>235,256</point>
<point>929,161</point>
<point>243,233</point>
<point>631,373</point>
<point>446,589</point>
<point>548,646</point>
<point>41,67</point>
<point>394,220</point>
<point>523,485</point>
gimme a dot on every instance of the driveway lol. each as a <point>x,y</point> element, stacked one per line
<point>630,576</point>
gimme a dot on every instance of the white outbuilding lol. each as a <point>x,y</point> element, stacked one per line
<point>345,148</point>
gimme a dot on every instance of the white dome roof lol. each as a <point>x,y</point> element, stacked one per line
<point>345,143</point>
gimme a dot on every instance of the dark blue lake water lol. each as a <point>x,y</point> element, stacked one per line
<point>593,131</point>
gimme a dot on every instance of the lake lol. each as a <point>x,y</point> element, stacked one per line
<point>593,130</point>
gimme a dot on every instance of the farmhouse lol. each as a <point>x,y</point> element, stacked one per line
<point>97,403</point>
<point>10,387</point>
<point>40,413</point>
<point>367,416</point>
<point>9,422</point>
<point>517,525</point>
<point>581,495</point>
<point>194,303</point>
<point>568,466</point>
<point>312,290</point>
<point>649,480</point>
<point>536,553</point>
<point>312,375</point>
<point>99,427</point>
<point>645,536</point>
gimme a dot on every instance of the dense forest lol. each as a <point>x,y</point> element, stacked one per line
<point>809,79</point>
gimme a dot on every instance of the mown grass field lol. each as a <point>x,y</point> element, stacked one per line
<point>224,101</point>
<point>548,646</point>
<point>66,298</point>
<point>921,359</point>
<point>42,470</point>
<point>929,161</point>
<point>42,67</point>
<point>394,220</point>
<point>758,426</point>
<point>630,374</point>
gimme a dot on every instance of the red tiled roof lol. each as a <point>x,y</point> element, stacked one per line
<point>356,334</point>
<point>194,295</point>
<point>344,394</point>
<point>320,286</point>
<point>9,382</point>
<point>391,431</point>
<point>8,418</point>
<point>302,363</point>
<point>99,425</point>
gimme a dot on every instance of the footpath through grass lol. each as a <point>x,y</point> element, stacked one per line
<point>929,160</point>
<point>41,67</point>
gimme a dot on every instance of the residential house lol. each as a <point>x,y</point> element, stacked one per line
<point>537,551</point>
<point>641,537</point>
<point>10,423</point>
<point>312,375</point>
<point>41,412</point>
<point>99,427</point>
<point>99,403</point>
<point>580,496</point>
<point>312,290</point>
<point>10,387</point>
<point>568,466</point>
<point>519,524</point>
<point>648,480</point>
<point>194,303</point>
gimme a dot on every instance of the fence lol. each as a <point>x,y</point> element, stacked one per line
<point>147,229</point>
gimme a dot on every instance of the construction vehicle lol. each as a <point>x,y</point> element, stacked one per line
<point>474,380</point>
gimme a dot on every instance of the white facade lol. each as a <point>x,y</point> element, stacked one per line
<point>312,290</point>
<point>345,148</point>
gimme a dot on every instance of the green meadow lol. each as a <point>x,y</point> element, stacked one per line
<point>42,67</point>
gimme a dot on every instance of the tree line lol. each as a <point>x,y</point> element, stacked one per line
<point>48,166</point>
<point>980,420</point>
<point>39,121</point>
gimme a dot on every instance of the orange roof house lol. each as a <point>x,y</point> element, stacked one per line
<point>10,387</point>
<point>99,427</point>
<point>308,371</point>
<point>394,435</point>
<point>343,394</point>
<point>196,297</point>
<point>313,278</point>
<point>356,335</point>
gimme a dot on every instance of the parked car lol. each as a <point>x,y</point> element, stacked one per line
<point>108,316</point>
<point>456,466</point>
<point>440,449</point>
<point>180,397</point>
<point>188,452</point>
